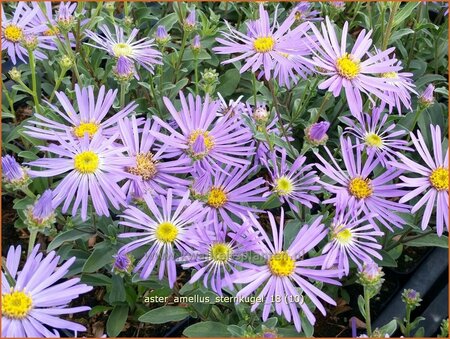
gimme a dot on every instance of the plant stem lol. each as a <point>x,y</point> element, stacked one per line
<point>196,74</point>
<point>123,87</point>
<point>387,35</point>
<point>408,321</point>
<point>254,88</point>
<point>10,101</point>
<point>72,55</point>
<point>367,311</point>
<point>322,106</point>
<point>180,57</point>
<point>416,118</point>
<point>32,60</point>
<point>58,83</point>
<point>28,192</point>
<point>414,39</point>
<point>32,240</point>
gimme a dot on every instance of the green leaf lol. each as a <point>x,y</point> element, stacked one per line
<point>99,309</point>
<point>387,261</point>
<point>168,21</point>
<point>100,257</point>
<point>432,240</point>
<point>70,235</point>
<point>116,320</point>
<point>229,82</point>
<point>207,329</point>
<point>362,306</point>
<point>420,333</point>
<point>399,34</point>
<point>117,293</point>
<point>164,314</point>
<point>404,13</point>
<point>389,328</point>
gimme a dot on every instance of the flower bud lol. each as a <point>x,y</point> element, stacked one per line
<point>110,6</point>
<point>124,70</point>
<point>316,134</point>
<point>411,298</point>
<point>14,176</point>
<point>210,76</point>
<point>161,36</point>
<point>66,62</point>
<point>339,5</point>
<point>65,19</point>
<point>261,115</point>
<point>196,46</point>
<point>15,74</point>
<point>123,264</point>
<point>427,98</point>
<point>41,215</point>
<point>189,23</point>
<point>128,21</point>
<point>30,42</point>
<point>370,273</point>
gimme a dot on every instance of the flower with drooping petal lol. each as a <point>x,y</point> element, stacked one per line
<point>35,296</point>
<point>375,133</point>
<point>203,137</point>
<point>18,27</point>
<point>224,194</point>
<point>166,230</point>
<point>352,238</point>
<point>356,72</point>
<point>292,183</point>
<point>360,190</point>
<point>140,51</point>
<point>287,273</point>
<point>264,45</point>
<point>152,173</point>
<point>94,167</point>
<point>433,179</point>
<point>218,254</point>
<point>304,11</point>
<point>87,119</point>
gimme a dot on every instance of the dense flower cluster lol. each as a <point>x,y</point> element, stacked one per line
<point>191,187</point>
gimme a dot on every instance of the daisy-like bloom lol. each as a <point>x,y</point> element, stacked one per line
<point>352,238</point>
<point>403,82</point>
<point>88,118</point>
<point>34,297</point>
<point>286,276</point>
<point>264,45</point>
<point>140,51</point>
<point>292,183</point>
<point>151,172</point>
<point>433,180</point>
<point>94,167</point>
<point>348,70</point>
<point>233,107</point>
<point>164,232</point>
<point>218,253</point>
<point>359,190</point>
<point>15,29</point>
<point>225,194</point>
<point>204,138</point>
<point>304,11</point>
<point>374,132</point>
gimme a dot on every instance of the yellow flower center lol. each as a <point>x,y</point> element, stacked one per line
<point>122,50</point>
<point>360,188</point>
<point>439,178</point>
<point>16,305</point>
<point>217,197</point>
<point>347,67</point>
<point>284,186</point>
<point>86,162</point>
<point>373,140</point>
<point>145,166</point>
<point>13,33</point>
<point>207,139</point>
<point>264,44</point>
<point>85,127</point>
<point>390,75</point>
<point>220,252</point>
<point>166,232</point>
<point>51,31</point>
<point>343,235</point>
<point>281,264</point>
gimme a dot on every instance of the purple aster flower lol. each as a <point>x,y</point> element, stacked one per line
<point>304,11</point>
<point>427,98</point>
<point>316,134</point>
<point>94,167</point>
<point>34,297</point>
<point>223,193</point>
<point>151,172</point>
<point>263,46</point>
<point>41,214</point>
<point>375,133</point>
<point>19,26</point>
<point>404,87</point>
<point>433,179</point>
<point>164,232</point>
<point>359,189</point>
<point>348,70</point>
<point>217,141</point>
<point>286,273</point>
<point>123,263</point>
<point>87,119</point>
<point>352,238</point>
<point>196,45</point>
<point>140,51</point>
<point>218,254</point>
<point>337,4</point>
<point>12,171</point>
<point>124,69</point>
<point>292,183</point>
<point>189,23</point>
<point>370,273</point>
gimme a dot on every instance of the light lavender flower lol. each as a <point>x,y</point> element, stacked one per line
<point>427,97</point>
<point>304,11</point>
<point>316,134</point>
<point>161,35</point>
<point>13,173</point>
<point>42,214</point>
<point>35,296</point>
